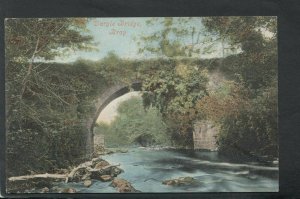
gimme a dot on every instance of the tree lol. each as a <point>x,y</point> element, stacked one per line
<point>252,66</point>
<point>174,88</point>
<point>41,97</point>
<point>257,38</point>
<point>250,126</point>
<point>134,125</point>
<point>173,37</point>
<point>31,40</point>
<point>116,70</point>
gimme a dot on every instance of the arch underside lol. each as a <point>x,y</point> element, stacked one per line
<point>118,92</point>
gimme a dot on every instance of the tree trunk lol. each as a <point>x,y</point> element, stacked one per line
<point>46,175</point>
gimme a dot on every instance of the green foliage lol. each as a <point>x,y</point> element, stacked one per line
<point>135,125</point>
<point>254,129</point>
<point>30,38</point>
<point>54,110</point>
<point>252,72</point>
<point>174,91</point>
<point>250,125</point>
<point>175,38</point>
<point>257,38</point>
<point>44,123</point>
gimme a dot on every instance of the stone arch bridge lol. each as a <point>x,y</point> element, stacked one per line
<point>204,132</point>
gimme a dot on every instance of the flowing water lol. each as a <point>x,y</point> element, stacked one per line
<point>146,168</point>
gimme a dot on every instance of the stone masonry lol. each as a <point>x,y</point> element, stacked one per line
<point>98,140</point>
<point>205,136</point>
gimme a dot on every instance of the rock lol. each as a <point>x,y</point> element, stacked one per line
<point>99,150</point>
<point>123,186</point>
<point>95,161</point>
<point>86,176</point>
<point>111,170</point>
<point>169,182</point>
<point>87,183</point>
<point>68,190</point>
<point>115,171</point>
<point>109,152</point>
<point>64,190</point>
<point>55,189</point>
<point>101,164</point>
<point>79,174</point>
<point>45,190</point>
<point>180,181</point>
<point>186,179</point>
<point>122,150</point>
<point>106,178</point>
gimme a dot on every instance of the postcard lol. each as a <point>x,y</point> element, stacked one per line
<point>141,104</point>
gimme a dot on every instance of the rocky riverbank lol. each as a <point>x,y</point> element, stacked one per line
<point>152,170</point>
<point>87,172</point>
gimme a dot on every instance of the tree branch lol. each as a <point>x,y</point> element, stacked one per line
<point>25,80</point>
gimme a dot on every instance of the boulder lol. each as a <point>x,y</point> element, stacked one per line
<point>68,190</point>
<point>96,161</point>
<point>112,170</point>
<point>180,181</point>
<point>122,150</point>
<point>115,171</point>
<point>101,164</point>
<point>106,178</point>
<point>123,186</point>
<point>87,183</point>
<point>78,174</point>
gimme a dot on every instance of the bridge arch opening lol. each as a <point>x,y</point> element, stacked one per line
<point>109,114</point>
<point>110,117</point>
<point>116,91</point>
<point>105,98</point>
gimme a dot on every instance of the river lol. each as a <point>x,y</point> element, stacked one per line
<point>146,168</point>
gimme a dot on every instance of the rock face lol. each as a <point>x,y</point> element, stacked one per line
<point>180,181</point>
<point>123,186</point>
